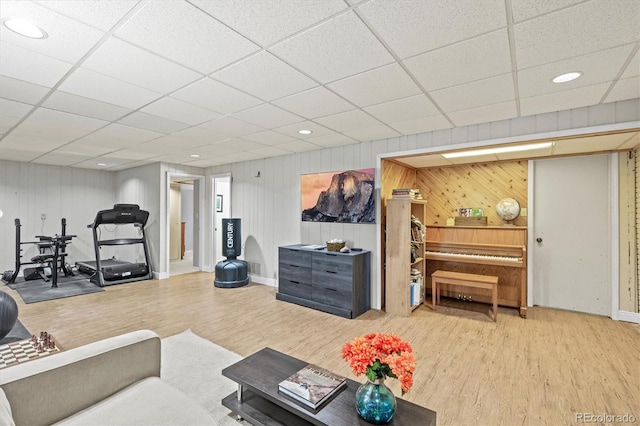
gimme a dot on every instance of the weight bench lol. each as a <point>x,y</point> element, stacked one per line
<point>438,278</point>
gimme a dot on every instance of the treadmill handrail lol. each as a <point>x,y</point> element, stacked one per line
<point>120,241</point>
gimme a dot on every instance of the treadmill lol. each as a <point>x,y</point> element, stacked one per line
<point>113,271</point>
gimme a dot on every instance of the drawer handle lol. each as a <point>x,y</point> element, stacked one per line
<point>330,254</point>
<point>331,272</point>
<point>331,289</point>
<point>295,282</point>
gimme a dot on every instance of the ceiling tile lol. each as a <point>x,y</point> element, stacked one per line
<point>209,162</point>
<point>403,109</point>
<point>489,91</point>
<point>475,59</point>
<point>124,154</point>
<point>152,122</point>
<point>179,31</point>
<point>214,149</point>
<point>200,134</point>
<point>240,145</point>
<point>180,111</point>
<point>21,91</point>
<point>67,102</point>
<point>16,153</point>
<point>298,146</point>
<point>633,68</point>
<point>292,130</point>
<point>90,84</point>
<point>216,96</point>
<point>48,129</point>
<point>314,103</point>
<point>574,98</point>
<point>322,53</point>
<point>115,136</point>
<point>526,9</point>
<point>79,148</point>
<point>29,66</point>
<point>270,151</point>
<point>420,125</point>
<point>347,121</point>
<point>61,158</point>
<point>577,30</point>
<point>626,88</point>
<point>372,133</point>
<point>14,109</point>
<point>67,40</point>
<point>376,86</point>
<point>484,114</point>
<point>335,139</point>
<point>603,67</point>
<point>128,63</point>
<point>6,123</point>
<point>165,145</point>
<point>101,14</point>
<point>411,27</point>
<point>269,137</point>
<point>265,77</point>
<point>267,21</point>
<point>267,115</point>
<point>231,126</point>
<point>243,156</point>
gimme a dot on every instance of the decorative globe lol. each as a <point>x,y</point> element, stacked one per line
<point>508,209</point>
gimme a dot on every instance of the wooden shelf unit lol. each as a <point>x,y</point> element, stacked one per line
<point>398,264</point>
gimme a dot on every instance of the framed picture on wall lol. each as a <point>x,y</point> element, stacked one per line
<point>218,203</point>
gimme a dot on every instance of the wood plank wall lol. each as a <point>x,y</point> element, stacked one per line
<point>473,185</point>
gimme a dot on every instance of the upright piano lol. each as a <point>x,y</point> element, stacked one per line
<point>486,250</point>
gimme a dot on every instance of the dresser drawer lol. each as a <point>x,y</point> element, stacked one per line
<point>332,262</point>
<point>295,273</point>
<point>334,280</point>
<point>327,296</point>
<point>294,257</point>
<point>293,288</point>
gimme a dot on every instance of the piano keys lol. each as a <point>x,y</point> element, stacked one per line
<point>486,250</point>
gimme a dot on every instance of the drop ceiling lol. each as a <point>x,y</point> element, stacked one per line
<point>125,83</point>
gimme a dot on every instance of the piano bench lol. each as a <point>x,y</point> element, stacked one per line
<point>467,280</point>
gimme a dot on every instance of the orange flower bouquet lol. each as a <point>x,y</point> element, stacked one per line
<point>381,355</point>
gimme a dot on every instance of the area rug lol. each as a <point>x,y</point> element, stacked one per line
<point>39,291</point>
<point>194,365</point>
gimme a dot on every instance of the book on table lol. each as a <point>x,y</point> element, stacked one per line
<point>312,385</point>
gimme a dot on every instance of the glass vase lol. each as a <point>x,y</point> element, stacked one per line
<point>375,402</point>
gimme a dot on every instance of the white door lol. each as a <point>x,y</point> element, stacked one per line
<point>571,248</point>
<point>175,232</point>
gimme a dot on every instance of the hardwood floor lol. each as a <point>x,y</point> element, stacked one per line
<point>541,370</point>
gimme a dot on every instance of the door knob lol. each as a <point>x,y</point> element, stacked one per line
<point>539,239</point>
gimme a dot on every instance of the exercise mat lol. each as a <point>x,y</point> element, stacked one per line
<point>39,291</point>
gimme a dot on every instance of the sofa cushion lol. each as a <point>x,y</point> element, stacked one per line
<point>147,402</point>
<point>6,418</point>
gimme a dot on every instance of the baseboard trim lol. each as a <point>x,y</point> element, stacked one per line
<point>629,316</point>
<point>262,280</point>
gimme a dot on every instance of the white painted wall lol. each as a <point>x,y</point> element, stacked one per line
<point>29,190</point>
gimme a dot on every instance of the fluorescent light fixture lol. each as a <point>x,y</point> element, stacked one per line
<point>567,77</point>
<point>102,164</point>
<point>24,28</point>
<point>498,150</point>
<point>194,155</point>
<point>305,132</point>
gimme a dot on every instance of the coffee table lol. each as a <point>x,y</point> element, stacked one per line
<point>257,399</point>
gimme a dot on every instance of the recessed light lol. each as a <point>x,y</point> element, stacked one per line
<point>102,164</point>
<point>566,77</point>
<point>305,132</point>
<point>498,150</point>
<point>194,155</point>
<point>24,28</point>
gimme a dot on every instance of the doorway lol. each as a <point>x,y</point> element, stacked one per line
<point>185,233</point>
<point>221,196</point>
<point>572,234</point>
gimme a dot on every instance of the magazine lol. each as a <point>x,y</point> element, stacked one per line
<point>312,385</point>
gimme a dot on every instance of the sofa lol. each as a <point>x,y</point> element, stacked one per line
<point>115,381</point>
